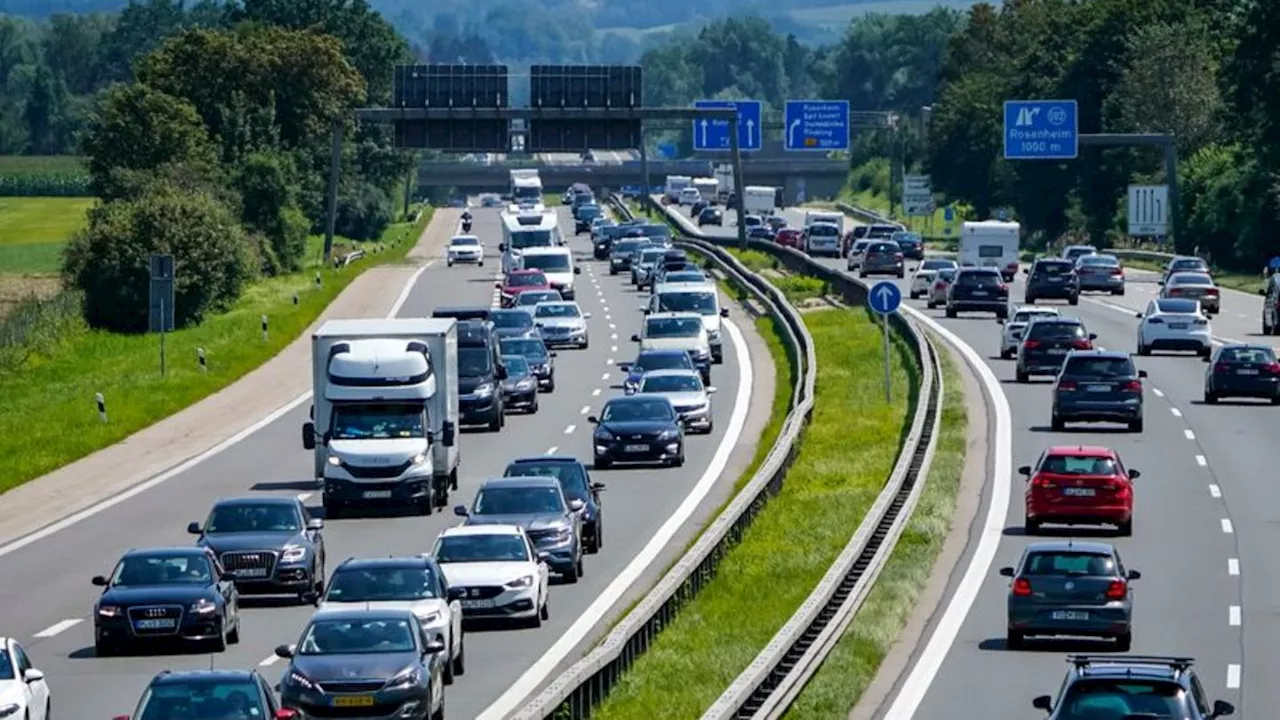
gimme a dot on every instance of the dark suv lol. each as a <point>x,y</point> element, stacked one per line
<point>1098,386</point>
<point>978,290</point>
<point>1137,686</point>
<point>1046,343</point>
<point>1053,279</point>
<point>882,257</point>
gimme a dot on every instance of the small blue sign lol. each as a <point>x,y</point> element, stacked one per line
<point>668,150</point>
<point>949,214</point>
<point>1002,215</point>
<point>884,297</point>
<point>1041,130</point>
<point>714,134</point>
<point>817,125</point>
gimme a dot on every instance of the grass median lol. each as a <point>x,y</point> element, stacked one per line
<point>47,413</point>
<point>846,455</point>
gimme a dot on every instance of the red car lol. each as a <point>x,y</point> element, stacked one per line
<point>789,237</point>
<point>1079,486</point>
<point>518,281</point>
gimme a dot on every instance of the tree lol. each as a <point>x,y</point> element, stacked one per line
<point>268,195</point>
<point>45,113</point>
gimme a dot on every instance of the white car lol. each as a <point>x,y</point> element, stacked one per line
<point>465,249</point>
<point>1014,327</point>
<point>495,571</point>
<point>684,388</point>
<point>925,272</point>
<point>689,196</point>
<point>1174,324</point>
<point>24,695</point>
<point>855,254</point>
<point>402,583</point>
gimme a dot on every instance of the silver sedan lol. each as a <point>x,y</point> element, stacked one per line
<point>684,388</point>
<point>562,323</point>
<point>1193,286</point>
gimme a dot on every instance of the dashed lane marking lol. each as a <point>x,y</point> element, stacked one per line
<point>1201,461</point>
<point>1215,491</point>
<point>1190,435</point>
<point>303,497</point>
<point>1233,676</point>
<point>1233,616</point>
<point>1176,412</point>
<point>1233,566</point>
<point>585,409</point>
<point>1157,392</point>
<point>569,430</point>
<point>595,393</point>
<point>552,450</point>
<point>1226,526</point>
<point>59,627</point>
<point>604,376</point>
<point>271,660</point>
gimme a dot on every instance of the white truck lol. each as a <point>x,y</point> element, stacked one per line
<point>526,187</point>
<point>384,414</point>
<point>708,188</point>
<point>758,200</point>
<point>824,216</point>
<point>991,243</point>
<point>724,176</point>
<point>676,183</point>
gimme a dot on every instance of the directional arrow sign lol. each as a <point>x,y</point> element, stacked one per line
<point>1148,210</point>
<point>714,134</point>
<point>817,125</point>
<point>884,297</point>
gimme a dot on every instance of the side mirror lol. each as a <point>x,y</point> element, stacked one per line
<point>1043,702</point>
<point>597,487</point>
<point>1142,373</point>
<point>1222,708</point>
<point>625,366</point>
<point>711,390</point>
<point>586,316</point>
<point>1006,572</point>
<point>1135,474</point>
<point>1160,282</point>
<point>315,524</point>
<point>32,675</point>
<point>309,436</point>
<point>1026,271</point>
<point>1262,292</point>
<point>576,505</point>
<point>498,285</point>
<point>1000,321</point>
<point>456,593</point>
<point>435,646</point>
<point>544,557</point>
<point>501,372</point>
<point>449,432</point>
<point>460,511</point>
<point>502,247</point>
<point>1025,470</point>
<point>553,353</point>
<point>1093,336</point>
<point>577,270</point>
<point>284,651</point>
<point>193,528</point>
<point>99,580</point>
<point>1138,315</point>
<point>593,419</point>
<point>1133,575</point>
<point>635,338</point>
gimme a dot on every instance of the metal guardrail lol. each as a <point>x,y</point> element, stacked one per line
<point>348,258</point>
<point>585,684</point>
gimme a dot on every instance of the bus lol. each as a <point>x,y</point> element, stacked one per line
<point>527,229</point>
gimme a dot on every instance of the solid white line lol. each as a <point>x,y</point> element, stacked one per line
<point>552,450</point>
<point>177,470</point>
<point>585,409</point>
<point>1201,461</point>
<point>595,393</point>
<point>1233,616</point>
<point>271,660</point>
<point>1157,392</point>
<point>569,430</point>
<point>1176,412</point>
<point>1226,526</point>
<point>1215,491</point>
<point>1233,676</point>
<point>58,627</point>
<point>1233,566</point>
<point>586,622</point>
<point>1190,435</point>
<point>948,628</point>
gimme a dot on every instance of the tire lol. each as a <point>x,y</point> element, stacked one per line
<point>1210,398</point>
<point>862,274</point>
<point>1014,640</point>
<point>533,409</point>
<point>551,386</point>
<point>448,666</point>
<point>1002,314</point>
<point>1006,355</point>
<point>1029,300</point>
<point>1125,529</point>
<point>679,461</point>
<point>930,304</point>
<point>496,424</point>
<point>581,567</point>
<point>425,508</point>
<point>914,295</point>
<point>1266,329</point>
<point>1021,376</point>
<point>1136,425</point>
<point>218,644</point>
<point>613,270</point>
<point>439,712</point>
<point>102,649</point>
<point>1118,292</point>
<point>571,575</point>
<point>1031,526</point>
<point>1073,300</point>
<point>1124,642</point>
<point>1143,349</point>
<point>951,313</point>
<point>545,612</point>
<point>460,663</point>
<point>332,511</point>
<point>1205,353</point>
<point>602,464</point>
<point>1057,423</point>
<point>1275,401</point>
<point>448,263</point>
<point>901,276</point>
<point>585,344</point>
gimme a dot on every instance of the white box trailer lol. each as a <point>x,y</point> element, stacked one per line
<point>707,187</point>
<point>384,415</point>
<point>759,200</point>
<point>824,216</point>
<point>724,176</point>
<point>676,183</point>
<point>526,187</point>
<point>991,243</point>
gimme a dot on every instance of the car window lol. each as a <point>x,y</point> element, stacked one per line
<point>557,310</point>
<point>937,264</point>
<point>975,279</point>
<point>511,320</point>
<point>1078,465</point>
<point>7,667</point>
<point>464,241</point>
<point>662,361</point>
<point>143,570</point>
<point>528,347</point>
<point>1043,268</point>
<point>482,548</point>
<point>1024,316</point>
<point>1095,698</point>
<point>358,636</point>
<point>885,247</point>
<point>1103,367</point>
<point>517,366</point>
<point>518,501</point>
<point>672,327</point>
<point>702,302</point>
<point>238,518</point>
<point>1100,260</point>
<point>199,698</point>
<point>538,296</point>
<point>1247,355</point>
<point>382,584</point>
<point>637,411</point>
<point>572,476</point>
<point>671,383</point>
<point>1056,331</point>
<point>1172,305</point>
<point>947,274</point>
<point>531,279</point>
<point>1192,279</point>
<point>1066,562</point>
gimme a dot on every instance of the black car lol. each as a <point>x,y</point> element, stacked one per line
<point>621,252</point>
<point>538,504</point>
<point>541,361</point>
<point>1098,386</point>
<point>912,244</point>
<point>1046,343</point>
<point>696,209</point>
<point>583,216</point>
<point>209,694</point>
<point>638,428</point>
<point>575,482</point>
<point>164,594</point>
<point>462,312</point>
<point>674,259</point>
<point>377,663</point>
<point>1243,371</point>
<point>1132,686</point>
<point>710,216</point>
<point>270,545</point>
<point>1052,279</point>
<point>978,290</point>
<point>520,388</point>
<point>512,322</point>
<point>480,374</point>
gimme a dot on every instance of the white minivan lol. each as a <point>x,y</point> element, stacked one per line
<point>693,297</point>
<point>554,262</point>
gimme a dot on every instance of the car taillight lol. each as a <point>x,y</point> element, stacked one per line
<point>1132,386</point>
<point>1117,271</point>
<point>1031,344</point>
<point>1273,368</point>
<point>1221,367</point>
<point>1175,291</point>
<point>1067,385</point>
<point>939,285</point>
<point>1081,344</point>
<point>1211,291</point>
<point>1022,587</point>
<point>897,256</point>
<point>1118,590</point>
<point>1044,482</point>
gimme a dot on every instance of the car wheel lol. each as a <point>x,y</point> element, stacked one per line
<point>102,649</point>
<point>545,613</point>
<point>448,263</point>
<point>930,304</point>
<point>551,385</point>
<point>460,662</point>
<point>597,538</point>
<point>586,342</point>
<point>534,407</point>
<point>1144,349</point>
<point>1124,642</point>
<point>913,295</point>
<point>1125,529</point>
<point>951,313</point>
<point>900,276</point>
<point>1006,355</point>
<point>570,575</point>
<point>448,666</point>
<point>332,511</point>
<point>602,463</point>
<point>1002,314</point>
<point>1015,640</point>
<point>1031,526</point>
<point>1119,292</point>
<point>438,713</point>
<point>1029,300</point>
<point>1057,424</point>
<point>1210,398</point>
<point>1135,425</point>
<point>218,644</point>
<point>862,274</point>
<point>1275,400</point>
<point>1205,353</point>
<point>496,423</point>
<point>1073,300</point>
<point>1021,376</point>
<point>581,566</point>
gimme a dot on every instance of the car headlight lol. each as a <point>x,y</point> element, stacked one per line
<point>713,334</point>
<point>204,606</point>
<point>408,677</point>
<point>602,434</point>
<point>521,582</point>
<point>293,553</point>
<point>296,678</point>
<point>429,618</point>
<point>335,460</point>
<point>524,384</point>
<point>484,389</point>
<point>669,435</point>
<point>563,534</point>
<point>109,611</point>
<point>418,459</point>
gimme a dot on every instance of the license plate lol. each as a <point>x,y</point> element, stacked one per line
<point>1178,326</point>
<point>353,701</point>
<point>1057,351</point>
<point>636,448</point>
<point>1097,388</point>
<point>1246,372</point>
<point>477,604</point>
<point>1055,279</point>
<point>1079,492</point>
<point>979,293</point>
<point>1070,615</point>
<point>376,494</point>
<point>251,573</point>
<point>156,624</point>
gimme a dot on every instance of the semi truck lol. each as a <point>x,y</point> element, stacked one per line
<point>724,176</point>
<point>384,413</point>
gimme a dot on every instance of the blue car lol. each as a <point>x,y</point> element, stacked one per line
<point>654,360</point>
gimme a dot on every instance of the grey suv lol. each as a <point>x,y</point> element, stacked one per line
<point>1098,386</point>
<point>1138,686</point>
<point>1053,279</point>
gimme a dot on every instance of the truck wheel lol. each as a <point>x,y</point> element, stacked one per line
<point>332,511</point>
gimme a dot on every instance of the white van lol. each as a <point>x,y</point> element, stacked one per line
<point>554,262</point>
<point>695,297</point>
<point>991,243</point>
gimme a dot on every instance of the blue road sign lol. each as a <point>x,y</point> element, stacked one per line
<point>949,214</point>
<point>714,134</point>
<point>817,125</point>
<point>1002,215</point>
<point>668,150</point>
<point>884,297</point>
<point>1041,130</point>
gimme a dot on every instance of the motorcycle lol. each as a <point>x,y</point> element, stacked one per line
<point>466,226</point>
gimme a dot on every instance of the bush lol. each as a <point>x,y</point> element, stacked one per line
<point>36,326</point>
<point>109,260</point>
<point>364,211</point>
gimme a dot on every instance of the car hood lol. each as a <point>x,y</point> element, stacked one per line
<point>559,278</point>
<point>370,666</point>
<point>465,249</point>
<point>637,426</point>
<point>225,542</point>
<point>562,322</point>
<point>676,343</point>
<point>486,573</point>
<point>513,382</point>
<point>12,692</point>
<point>528,521</point>
<point>711,322</point>
<point>377,452</point>
<point>154,594</point>
<point>684,398</point>
<point>421,608</point>
<point>467,384</point>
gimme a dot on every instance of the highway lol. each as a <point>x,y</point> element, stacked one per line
<point>1207,518</point>
<point>47,597</point>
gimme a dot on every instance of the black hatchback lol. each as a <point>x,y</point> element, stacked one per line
<point>1053,279</point>
<point>978,290</point>
<point>1243,371</point>
<point>1046,343</point>
<point>1098,386</point>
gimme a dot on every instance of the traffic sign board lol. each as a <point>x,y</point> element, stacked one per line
<point>884,297</point>
<point>1148,210</point>
<point>817,125</point>
<point>714,134</point>
<point>1041,130</point>
<point>949,214</point>
<point>917,195</point>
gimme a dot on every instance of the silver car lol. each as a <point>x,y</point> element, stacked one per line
<point>1014,327</point>
<point>1193,286</point>
<point>684,388</point>
<point>1070,588</point>
<point>465,249</point>
<point>1100,272</point>
<point>937,294</point>
<point>922,280</point>
<point>561,323</point>
<point>642,266</point>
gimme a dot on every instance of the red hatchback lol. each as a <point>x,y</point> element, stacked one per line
<point>518,281</point>
<point>1079,486</point>
<point>789,237</point>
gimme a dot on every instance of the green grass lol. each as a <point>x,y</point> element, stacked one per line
<point>48,417</point>
<point>33,231</point>
<point>42,165</point>
<point>853,663</point>
<point>828,490</point>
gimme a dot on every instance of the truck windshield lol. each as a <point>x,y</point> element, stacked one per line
<point>474,361</point>
<point>377,422</point>
<point>527,193</point>
<point>531,238</point>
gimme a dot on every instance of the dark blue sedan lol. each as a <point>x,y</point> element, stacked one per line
<point>1243,371</point>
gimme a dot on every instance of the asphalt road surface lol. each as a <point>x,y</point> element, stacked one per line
<point>47,598</point>
<point>1207,518</point>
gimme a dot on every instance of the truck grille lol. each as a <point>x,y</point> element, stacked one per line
<point>376,471</point>
<point>251,560</point>
<point>155,612</point>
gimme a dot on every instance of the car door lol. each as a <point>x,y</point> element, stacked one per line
<point>455,615</point>
<point>269,697</point>
<point>543,572</point>
<point>316,536</point>
<point>38,691</point>
<point>226,588</point>
<point>1152,309</point>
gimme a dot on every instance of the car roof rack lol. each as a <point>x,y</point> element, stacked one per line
<point>1177,663</point>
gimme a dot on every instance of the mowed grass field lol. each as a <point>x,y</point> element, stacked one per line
<point>33,231</point>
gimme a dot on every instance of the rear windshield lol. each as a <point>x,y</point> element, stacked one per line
<point>1104,260</point>
<point>976,279</point>
<point>883,247</point>
<point>1188,264</point>
<point>1026,317</point>
<point>937,264</point>
<point>1094,698</point>
<point>947,274</point>
<point>1105,367</point>
<point>1056,331</point>
<point>824,230</point>
<point>1192,279</point>
<point>1056,268</point>
<point>1078,465</point>
<point>1066,562</point>
<point>1178,306</point>
<point>1247,355</point>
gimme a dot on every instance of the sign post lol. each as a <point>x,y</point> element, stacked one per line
<point>1041,130</point>
<point>917,196</point>
<point>714,134</point>
<point>884,299</point>
<point>160,300</point>
<point>1148,210</point>
<point>816,125</point>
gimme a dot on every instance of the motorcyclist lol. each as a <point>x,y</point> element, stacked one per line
<point>466,221</point>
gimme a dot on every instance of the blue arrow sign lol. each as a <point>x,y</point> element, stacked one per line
<point>949,214</point>
<point>884,297</point>
<point>714,134</point>
<point>817,125</point>
<point>1041,130</point>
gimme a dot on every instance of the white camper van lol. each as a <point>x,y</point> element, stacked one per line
<point>676,183</point>
<point>526,187</point>
<point>759,200</point>
<point>991,243</point>
<point>526,229</point>
<point>708,189</point>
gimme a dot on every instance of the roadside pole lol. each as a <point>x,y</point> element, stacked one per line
<point>884,299</point>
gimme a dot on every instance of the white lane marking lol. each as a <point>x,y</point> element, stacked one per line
<point>585,409</point>
<point>586,622</point>
<point>1157,392</point>
<point>302,497</point>
<point>609,362</point>
<point>180,468</point>
<point>613,348</point>
<point>604,376</point>
<point>944,635</point>
<point>1233,566</point>
<point>1176,412</point>
<point>1215,491</point>
<point>59,627</point>
<point>569,430</point>
<point>613,336</point>
<point>1233,616</point>
<point>595,393</point>
<point>1226,526</point>
<point>605,308</point>
<point>1233,676</point>
<point>1201,461</point>
<point>612,326</point>
<point>1190,435</point>
<point>1241,315</point>
<point>271,660</point>
<point>607,316</point>
<point>552,450</point>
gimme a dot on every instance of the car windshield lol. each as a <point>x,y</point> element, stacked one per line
<point>143,570</point>
<point>651,255</point>
<point>978,279</point>
<point>6,666</point>
<point>662,361</point>
<point>1188,264</point>
<point>703,303</point>
<point>538,296</point>
<point>474,362</point>
<point>384,584</point>
<point>1192,279</point>
<point>1068,562</point>
<point>511,320</point>
<point>1106,698</point>
<point>637,410</point>
<point>1055,331</point>
<point>518,501</point>
<point>752,221</point>
<point>1078,250</point>
<point>672,327</point>
<point>1026,317</point>
<point>357,636</point>
<point>905,237</point>
<point>937,264</point>
<point>622,248</point>
<point>481,548</point>
<point>274,517</point>
<point>823,230</point>
<point>517,366</point>
<point>557,310</point>
<point>550,262</point>
<point>685,276</point>
<point>947,274</point>
<point>572,476</point>
<point>531,238</point>
<point>359,421</point>
<point>1257,355</point>
<point>216,699</point>
<point>1099,261</point>
<point>1057,268</point>
<point>1079,465</point>
<point>588,212</point>
<point>1102,367</point>
<point>527,279</point>
<point>671,383</point>
<point>1178,306</point>
<point>459,241</point>
<point>531,348</point>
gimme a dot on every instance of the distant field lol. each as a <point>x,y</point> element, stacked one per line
<point>41,165</point>
<point>33,231</point>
